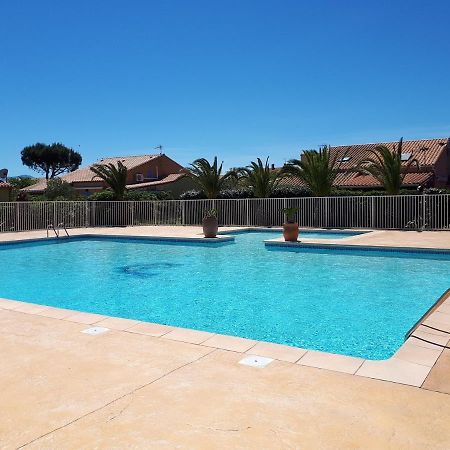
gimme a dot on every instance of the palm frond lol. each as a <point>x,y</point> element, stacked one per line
<point>385,165</point>
<point>316,169</point>
<point>114,177</point>
<point>260,177</point>
<point>208,177</point>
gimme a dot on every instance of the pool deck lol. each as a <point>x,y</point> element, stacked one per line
<point>142,385</point>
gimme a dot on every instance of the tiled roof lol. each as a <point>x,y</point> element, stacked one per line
<point>4,185</point>
<point>36,187</point>
<point>425,151</point>
<point>42,184</point>
<point>168,179</point>
<point>86,175</point>
<point>354,180</point>
<point>364,181</point>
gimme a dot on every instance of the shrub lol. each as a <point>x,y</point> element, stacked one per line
<point>236,193</point>
<point>102,196</point>
<point>58,189</point>
<point>434,191</point>
<point>290,191</point>
<point>134,195</point>
<point>192,195</point>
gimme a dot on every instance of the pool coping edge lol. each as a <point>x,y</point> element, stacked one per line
<point>395,369</point>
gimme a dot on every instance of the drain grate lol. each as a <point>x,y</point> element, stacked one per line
<point>95,330</point>
<point>256,361</point>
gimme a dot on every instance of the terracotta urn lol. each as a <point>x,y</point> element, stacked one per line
<point>210,227</point>
<point>290,231</point>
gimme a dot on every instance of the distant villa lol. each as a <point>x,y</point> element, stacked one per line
<point>433,156</point>
<point>156,172</point>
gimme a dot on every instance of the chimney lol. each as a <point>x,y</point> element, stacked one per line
<point>273,166</point>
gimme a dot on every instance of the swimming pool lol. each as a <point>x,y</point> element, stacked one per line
<point>352,303</point>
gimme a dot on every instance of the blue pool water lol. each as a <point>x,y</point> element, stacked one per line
<point>352,303</point>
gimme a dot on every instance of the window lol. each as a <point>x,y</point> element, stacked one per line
<point>152,173</point>
<point>344,159</point>
<point>405,156</point>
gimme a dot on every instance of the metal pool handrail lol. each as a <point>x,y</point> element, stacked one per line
<point>51,227</point>
<point>61,225</point>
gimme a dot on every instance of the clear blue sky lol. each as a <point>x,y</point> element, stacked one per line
<point>236,78</point>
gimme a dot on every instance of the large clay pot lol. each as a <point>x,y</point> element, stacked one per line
<point>210,227</point>
<point>290,231</point>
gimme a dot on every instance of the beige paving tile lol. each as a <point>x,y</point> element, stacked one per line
<point>216,403</point>
<point>232,343</point>
<point>329,361</point>
<point>429,340</point>
<point>56,313</point>
<point>29,308</point>
<point>150,329</point>
<point>117,323</point>
<point>444,307</point>
<point>188,335</point>
<point>438,379</point>
<point>395,370</point>
<point>55,374</point>
<point>439,317</point>
<point>418,354</point>
<point>434,330</point>
<point>87,318</point>
<point>10,304</point>
<point>437,327</point>
<point>277,351</point>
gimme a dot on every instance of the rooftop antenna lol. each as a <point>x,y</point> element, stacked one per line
<point>159,147</point>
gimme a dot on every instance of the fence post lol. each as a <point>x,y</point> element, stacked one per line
<point>183,212</point>
<point>86,215</point>
<point>93,209</point>
<point>54,215</point>
<point>247,204</point>
<point>16,221</point>
<point>424,210</point>
<point>132,213</point>
<point>373,213</point>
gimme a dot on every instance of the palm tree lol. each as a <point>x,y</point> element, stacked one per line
<point>261,178</point>
<point>114,177</point>
<point>317,169</point>
<point>209,177</point>
<point>386,166</point>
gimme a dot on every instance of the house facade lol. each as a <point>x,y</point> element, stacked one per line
<point>432,170</point>
<point>147,172</point>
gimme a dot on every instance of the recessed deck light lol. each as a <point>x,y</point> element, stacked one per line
<point>95,330</point>
<point>256,361</point>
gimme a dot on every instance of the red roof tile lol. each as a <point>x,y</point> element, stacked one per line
<point>86,175</point>
<point>425,151</point>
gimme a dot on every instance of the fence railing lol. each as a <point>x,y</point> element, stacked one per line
<point>384,212</point>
